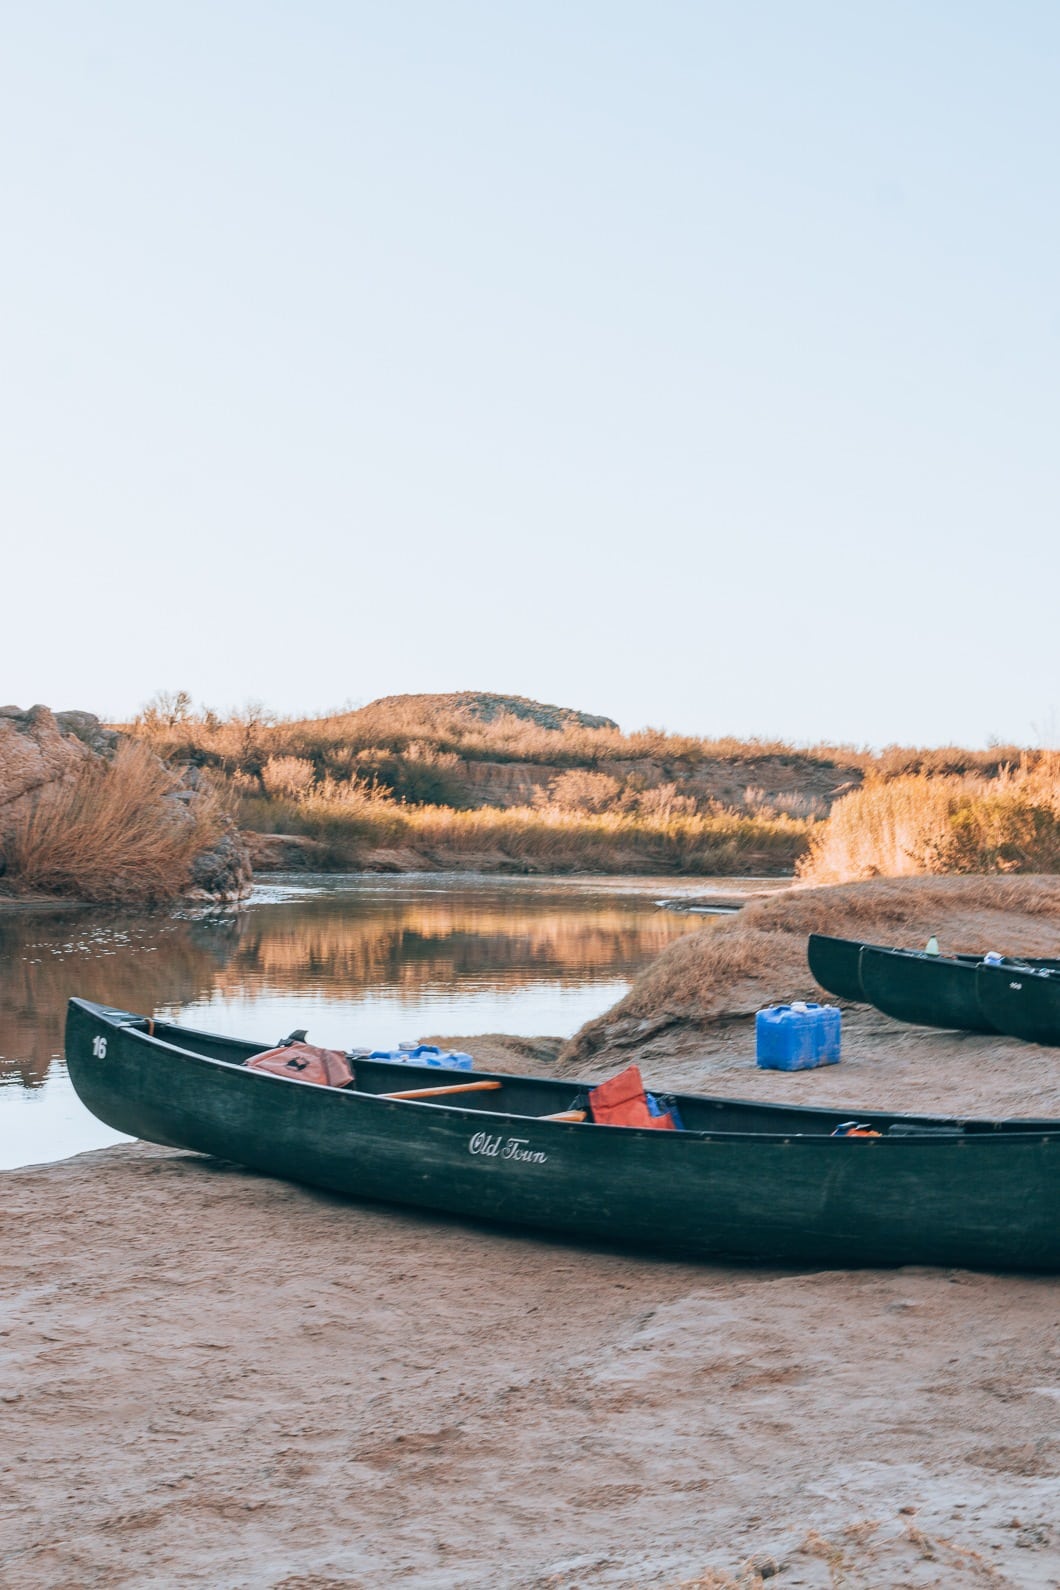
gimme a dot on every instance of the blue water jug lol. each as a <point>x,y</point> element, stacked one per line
<point>797,1037</point>
<point>830,1027</point>
<point>425,1054</point>
<point>428,1054</point>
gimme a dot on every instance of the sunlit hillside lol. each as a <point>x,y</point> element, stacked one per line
<point>476,779</point>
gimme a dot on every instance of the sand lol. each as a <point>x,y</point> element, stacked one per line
<point>212,1379</point>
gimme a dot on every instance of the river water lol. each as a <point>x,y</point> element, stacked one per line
<point>361,960</point>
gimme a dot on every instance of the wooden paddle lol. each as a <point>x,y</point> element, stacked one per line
<point>433,1093</point>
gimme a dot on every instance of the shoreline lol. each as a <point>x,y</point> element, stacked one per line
<point>770,882</point>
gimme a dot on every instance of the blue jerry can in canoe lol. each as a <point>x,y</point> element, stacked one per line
<point>797,1037</point>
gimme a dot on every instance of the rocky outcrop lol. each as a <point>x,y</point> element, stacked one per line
<point>504,784</point>
<point>39,748</point>
<point>484,706</point>
<point>223,872</point>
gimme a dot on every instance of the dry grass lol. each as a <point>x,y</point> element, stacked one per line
<point>915,825</point>
<point>353,819</point>
<point>440,725</point>
<point>884,830</point>
<point>736,968</point>
<point>617,800</point>
<point>113,834</point>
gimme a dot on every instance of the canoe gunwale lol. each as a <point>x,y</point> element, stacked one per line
<point>971,1129</point>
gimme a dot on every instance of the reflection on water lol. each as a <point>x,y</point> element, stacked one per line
<point>357,960</point>
<point>137,962</point>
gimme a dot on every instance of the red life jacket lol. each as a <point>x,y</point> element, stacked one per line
<point>329,1067</point>
<point>622,1101</point>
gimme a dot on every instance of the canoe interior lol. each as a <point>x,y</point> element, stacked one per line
<point>535,1097</point>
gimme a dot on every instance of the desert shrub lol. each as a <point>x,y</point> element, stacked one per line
<point>288,775</point>
<point>581,790</point>
<point>999,833</point>
<point>915,824</point>
<point>946,761</point>
<point>114,833</point>
<point>166,711</point>
<point>663,802</point>
<point>421,774</point>
<point>888,828</point>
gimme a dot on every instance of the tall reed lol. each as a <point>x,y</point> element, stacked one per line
<point>113,833</point>
<point>918,825</point>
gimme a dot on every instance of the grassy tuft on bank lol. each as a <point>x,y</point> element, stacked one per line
<point>117,832</point>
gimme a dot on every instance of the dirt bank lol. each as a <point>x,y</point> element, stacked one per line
<point>212,1379</point>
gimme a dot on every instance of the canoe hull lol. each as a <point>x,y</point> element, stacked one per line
<point>928,990</point>
<point>985,1200</point>
<point>931,990</point>
<point>1021,1002</point>
<point>834,964</point>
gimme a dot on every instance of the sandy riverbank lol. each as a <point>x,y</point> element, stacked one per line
<point>214,1380</point>
<point>211,1379</point>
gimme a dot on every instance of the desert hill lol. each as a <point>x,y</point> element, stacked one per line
<point>478,706</point>
<point>492,750</point>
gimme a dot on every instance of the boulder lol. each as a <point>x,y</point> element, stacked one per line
<point>86,727</point>
<point>223,872</point>
<point>35,753</point>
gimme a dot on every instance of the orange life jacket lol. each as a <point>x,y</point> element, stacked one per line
<point>329,1067</point>
<point>622,1101</point>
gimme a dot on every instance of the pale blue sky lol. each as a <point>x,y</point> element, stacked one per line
<point>697,364</point>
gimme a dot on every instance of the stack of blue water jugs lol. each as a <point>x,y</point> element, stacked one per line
<point>798,1036</point>
<point>422,1054</point>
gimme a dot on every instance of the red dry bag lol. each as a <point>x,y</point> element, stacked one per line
<point>622,1101</point>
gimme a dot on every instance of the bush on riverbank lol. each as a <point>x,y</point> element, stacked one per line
<point>918,825</point>
<point>118,831</point>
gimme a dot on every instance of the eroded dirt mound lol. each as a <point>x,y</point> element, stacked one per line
<point>758,957</point>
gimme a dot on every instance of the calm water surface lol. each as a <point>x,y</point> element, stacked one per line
<point>356,960</point>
